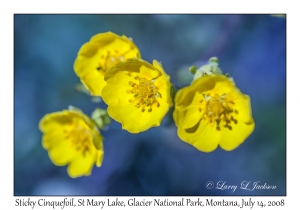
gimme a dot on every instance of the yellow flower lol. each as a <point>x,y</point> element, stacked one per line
<point>72,139</point>
<point>103,51</point>
<point>211,112</point>
<point>137,94</point>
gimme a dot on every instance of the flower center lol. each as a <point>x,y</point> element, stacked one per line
<point>145,94</point>
<point>218,111</point>
<point>80,136</point>
<point>110,59</point>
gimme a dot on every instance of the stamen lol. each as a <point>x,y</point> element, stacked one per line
<point>79,135</point>
<point>145,93</point>
<point>218,110</point>
<point>128,74</point>
<point>110,59</point>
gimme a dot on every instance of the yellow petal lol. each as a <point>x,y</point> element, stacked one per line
<point>134,53</point>
<point>192,113</point>
<point>209,82</point>
<point>72,138</point>
<point>135,121</point>
<point>59,148</point>
<point>127,85</point>
<point>148,73</point>
<point>203,136</point>
<point>131,65</point>
<point>54,120</point>
<point>103,39</point>
<point>99,54</point>
<point>164,87</point>
<point>120,45</point>
<point>192,117</point>
<point>52,138</point>
<point>243,106</point>
<point>82,165</point>
<point>94,82</point>
<point>130,120</point>
<point>231,139</point>
<point>178,117</point>
<point>97,140</point>
<point>87,59</point>
<point>99,157</point>
<point>111,41</point>
<point>115,92</point>
<point>88,50</point>
<point>184,97</point>
<point>158,65</point>
<point>62,153</point>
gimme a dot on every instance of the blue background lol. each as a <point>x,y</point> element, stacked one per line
<point>252,48</point>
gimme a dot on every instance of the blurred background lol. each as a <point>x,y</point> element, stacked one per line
<point>252,48</point>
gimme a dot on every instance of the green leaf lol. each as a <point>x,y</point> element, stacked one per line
<point>96,99</point>
<point>97,140</point>
<point>100,117</point>
<point>81,88</point>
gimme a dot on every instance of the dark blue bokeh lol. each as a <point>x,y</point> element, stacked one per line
<point>252,48</point>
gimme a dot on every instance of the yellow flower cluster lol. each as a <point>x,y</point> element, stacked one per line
<point>210,112</point>
<point>72,139</point>
<point>136,92</point>
<point>102,52</point>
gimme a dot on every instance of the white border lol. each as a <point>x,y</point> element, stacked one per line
<point>102,202</point>
<point>8,8</point>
